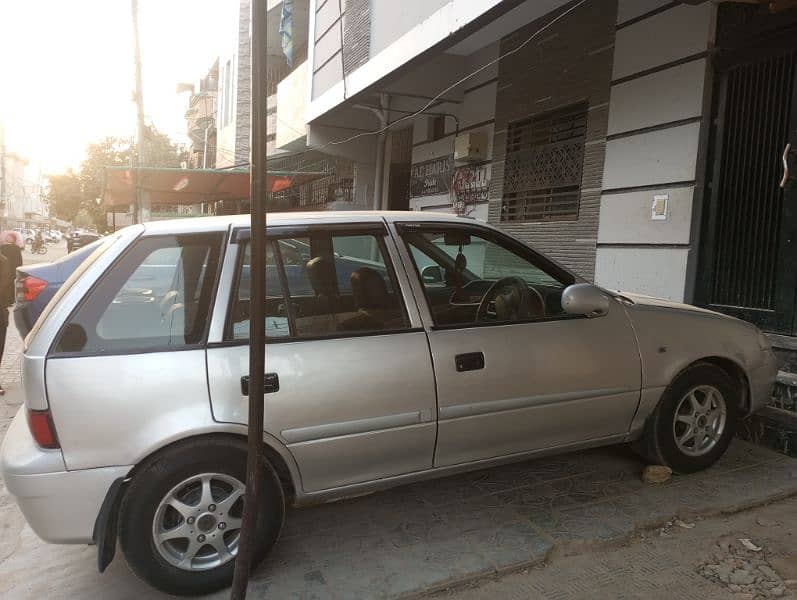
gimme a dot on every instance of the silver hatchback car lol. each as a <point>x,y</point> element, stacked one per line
<point>401,346</point>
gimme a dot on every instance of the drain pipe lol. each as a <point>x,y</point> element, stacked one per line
<point>383,114</point>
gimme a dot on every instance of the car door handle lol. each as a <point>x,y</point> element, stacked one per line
<point>271,384</point>
<point>471,361</point>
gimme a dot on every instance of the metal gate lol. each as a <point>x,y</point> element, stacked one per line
<point>752,222</point>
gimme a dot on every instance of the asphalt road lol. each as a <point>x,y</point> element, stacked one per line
<point>54,252</point>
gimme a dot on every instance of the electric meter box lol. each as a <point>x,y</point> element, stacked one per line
<point>470,147</point>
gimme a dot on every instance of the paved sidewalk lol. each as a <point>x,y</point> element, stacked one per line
<point>675,563</point>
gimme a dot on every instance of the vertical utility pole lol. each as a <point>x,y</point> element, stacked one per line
<point>142,208</point>
<point>257,295</point>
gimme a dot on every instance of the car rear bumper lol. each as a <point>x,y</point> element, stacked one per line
<point>60,506</point>
<point>762,381</point>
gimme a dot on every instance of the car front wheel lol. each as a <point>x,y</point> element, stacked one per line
<point>694,422</point>
<point>180,519</point>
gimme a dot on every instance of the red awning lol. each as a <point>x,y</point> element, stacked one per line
<point>191,186</point>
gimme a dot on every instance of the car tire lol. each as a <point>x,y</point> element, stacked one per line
<point>702,397</point>
<point>143,511</point>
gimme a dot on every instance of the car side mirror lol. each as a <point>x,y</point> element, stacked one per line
<point>585,299</point>
<point>432,274</point>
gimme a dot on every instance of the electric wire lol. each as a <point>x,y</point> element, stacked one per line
<point>459,82</point>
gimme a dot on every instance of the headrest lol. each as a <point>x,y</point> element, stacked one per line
<point>321,271</point>
<point>368,288</point>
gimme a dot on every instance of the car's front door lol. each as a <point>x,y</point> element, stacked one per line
<point>514,372</point>
<point>352,392</point>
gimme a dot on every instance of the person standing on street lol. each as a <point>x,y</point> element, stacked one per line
<point>10,258</point>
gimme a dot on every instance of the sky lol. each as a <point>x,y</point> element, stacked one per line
<point>67,71</point>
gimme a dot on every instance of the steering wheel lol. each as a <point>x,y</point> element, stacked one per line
<point>514,301</point>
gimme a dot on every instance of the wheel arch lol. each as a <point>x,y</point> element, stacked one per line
<point>652,396</point>
<point>279,459</point>
<point>106,524</point>
<point>731,368</point>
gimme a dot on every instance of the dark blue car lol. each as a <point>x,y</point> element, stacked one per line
<point>36,284</point>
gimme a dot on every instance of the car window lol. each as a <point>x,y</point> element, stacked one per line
<point>80,269</point>
<point>157,296</point>
<point>474,277</point>
<point>337,284</point>
<point>277,324</point>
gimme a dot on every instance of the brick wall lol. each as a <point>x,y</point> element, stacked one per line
<point>356,34</point>
<point>570,62</point>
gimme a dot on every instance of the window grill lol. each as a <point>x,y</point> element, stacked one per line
<point>543,166</point>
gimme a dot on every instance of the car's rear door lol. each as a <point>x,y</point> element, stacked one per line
<point>510,384</point>
<point>352,393</point>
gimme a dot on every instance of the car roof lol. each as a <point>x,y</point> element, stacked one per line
<point>222,223</point>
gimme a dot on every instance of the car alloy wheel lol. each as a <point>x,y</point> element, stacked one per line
<point>197,524</point>
<point>699,421</point>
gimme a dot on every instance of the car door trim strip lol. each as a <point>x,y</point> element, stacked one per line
<point>494,406</point>
<point>331,430</point>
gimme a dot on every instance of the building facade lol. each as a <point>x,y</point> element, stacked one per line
<point>201,120</point>
<point>234,88</point>
<point>592,129</point>
<point>649,145</point>
<point>22,193</point>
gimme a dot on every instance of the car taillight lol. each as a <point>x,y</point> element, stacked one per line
<point>40,423</point>
<point>31,287</point>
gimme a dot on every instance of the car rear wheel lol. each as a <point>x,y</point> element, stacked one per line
<point>180,519</point>
<point>694,422</point>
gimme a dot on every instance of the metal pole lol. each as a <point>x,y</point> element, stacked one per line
<point>381,143</point>
<point>142,209</point>
<point>257,295</point>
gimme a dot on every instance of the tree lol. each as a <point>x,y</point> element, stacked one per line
<point>65,195</point>
<point>71,193</point>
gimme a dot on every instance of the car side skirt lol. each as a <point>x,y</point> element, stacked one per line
<point>360,489</point>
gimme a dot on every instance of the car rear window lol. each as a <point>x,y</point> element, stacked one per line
<point>156,297</point>
<point>70,281</point>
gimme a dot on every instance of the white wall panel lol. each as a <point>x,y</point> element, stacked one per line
<point>626,218</point>
<point>656,157</point>
<point>659,272</point>
<point>631,9</point>
<point>326,47</point>
<point>663,38</point>
<point>661,97</point>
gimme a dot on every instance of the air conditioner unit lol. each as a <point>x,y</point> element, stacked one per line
<point>470,147</point>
